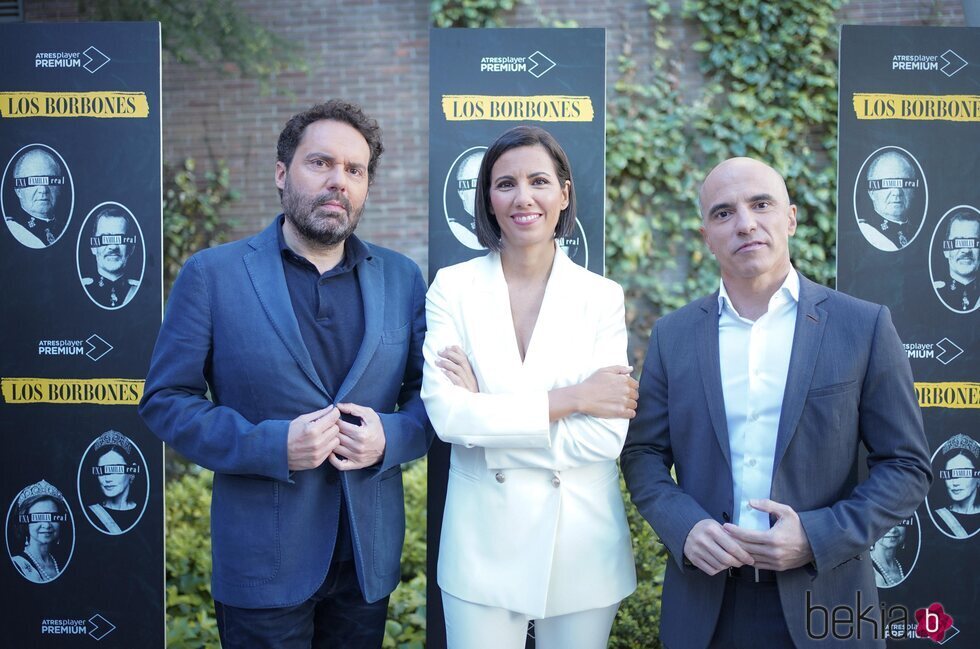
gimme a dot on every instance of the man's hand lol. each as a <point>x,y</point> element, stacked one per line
<point>312,438</point>
<point>784,546</point>
<point>711,549</point>
<point>361,445</point>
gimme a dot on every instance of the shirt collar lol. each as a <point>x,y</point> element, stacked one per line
<point>355,251</point>
<point>789,289</point>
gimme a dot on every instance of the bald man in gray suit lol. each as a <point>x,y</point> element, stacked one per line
<point>759,397</point>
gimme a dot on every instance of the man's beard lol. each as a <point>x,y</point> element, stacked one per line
<point>300,210</point>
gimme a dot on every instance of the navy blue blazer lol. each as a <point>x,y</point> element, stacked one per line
<point>230,330</point>
<point>849,383</point>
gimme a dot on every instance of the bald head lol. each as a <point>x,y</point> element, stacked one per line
<point>734,170</point>
<point>890,164</point>
<point>37,162</point>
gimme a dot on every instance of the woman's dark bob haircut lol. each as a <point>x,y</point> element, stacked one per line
<point>487,228</point>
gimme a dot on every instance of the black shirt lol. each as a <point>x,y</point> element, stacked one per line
<point>330,312</point>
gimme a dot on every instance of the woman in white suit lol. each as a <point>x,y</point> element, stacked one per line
<point>525,375</point>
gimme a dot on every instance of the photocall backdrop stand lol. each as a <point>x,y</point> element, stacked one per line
<point>82,479</point>
<point>909,122</point>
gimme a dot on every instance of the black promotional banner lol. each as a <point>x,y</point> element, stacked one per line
<point>481,83</point>
<point>80,194</point>
<point>909,238</point>
<point>485,81</point>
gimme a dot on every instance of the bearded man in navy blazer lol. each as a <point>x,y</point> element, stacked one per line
<point>759,397</point>
<point>290,364</point>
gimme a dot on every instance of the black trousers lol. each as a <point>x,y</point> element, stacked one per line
<point>751,617</point>
<point>336,616</point>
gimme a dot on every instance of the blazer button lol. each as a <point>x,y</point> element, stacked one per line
<point>555,482</point>
<point>499,477</point>
<point>725,517</point>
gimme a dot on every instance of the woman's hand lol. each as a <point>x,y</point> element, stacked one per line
<point>453,362</point>
<point>610,393</point>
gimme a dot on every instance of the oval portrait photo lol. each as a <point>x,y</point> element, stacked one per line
<point>38,196</point>
<point>953,501</point>
<point>576,245</point>
<point>954,258</point>
<point>40,533</point>
<point>110,255</point>
<point>890,198</point>
<point>895,554</point>
<point>459,196</point>
<point>113,483</point>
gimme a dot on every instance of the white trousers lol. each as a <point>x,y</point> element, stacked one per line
<point>475,626</point>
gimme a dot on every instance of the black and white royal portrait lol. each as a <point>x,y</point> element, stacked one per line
<point>954,259</point>
<point>110,255</point>
<point>38,196</point>
<point>459,195</point>
<point>40,533</point>
<point>576,245</point>
<point>112,483</point>
<point>894,555</point>
<point>953,500</point>
<point>890,198</point>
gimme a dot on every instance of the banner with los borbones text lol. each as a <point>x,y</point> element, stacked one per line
<point>80,253</point>
<point>909,238</point>
<point>483,82</point>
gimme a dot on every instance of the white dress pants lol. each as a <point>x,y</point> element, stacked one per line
<point>475,626</point>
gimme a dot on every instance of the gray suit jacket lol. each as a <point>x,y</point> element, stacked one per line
<point>849,383</point>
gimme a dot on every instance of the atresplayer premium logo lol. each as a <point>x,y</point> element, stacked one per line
<point>862,621</point>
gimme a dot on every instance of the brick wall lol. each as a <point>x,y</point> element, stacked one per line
<point>902,12</point>
<point>376,53</point>
<point>372,53</point>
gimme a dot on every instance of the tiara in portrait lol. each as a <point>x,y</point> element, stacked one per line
<point>963,442</point>
<point>113,438</point>
<point>42,488</point>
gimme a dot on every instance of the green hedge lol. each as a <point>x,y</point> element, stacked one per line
<point>190,613</point>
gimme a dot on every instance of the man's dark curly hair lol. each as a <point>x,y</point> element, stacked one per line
<point>335,109</point>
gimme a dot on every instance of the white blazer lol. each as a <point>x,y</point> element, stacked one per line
<point>534,521</point>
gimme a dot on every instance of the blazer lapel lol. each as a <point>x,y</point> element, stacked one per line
<point>489,325</point>
<point>709,362</point>
<point>547,339</point>
<point>811,321</point>
<point>371,279</point>
<point>264,267</point>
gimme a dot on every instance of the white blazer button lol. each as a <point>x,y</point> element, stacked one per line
<point>499,477</point>
<point>555,482</point>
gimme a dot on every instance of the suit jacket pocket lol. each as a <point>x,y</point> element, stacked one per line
<point>396,336</point>
<point>828,390</point>
<point>245,530</point>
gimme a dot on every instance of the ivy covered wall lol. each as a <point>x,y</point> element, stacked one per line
<point>693,82</point>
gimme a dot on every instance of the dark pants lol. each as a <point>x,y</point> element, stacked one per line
<point>335,616</point>
<point>751,617</point>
